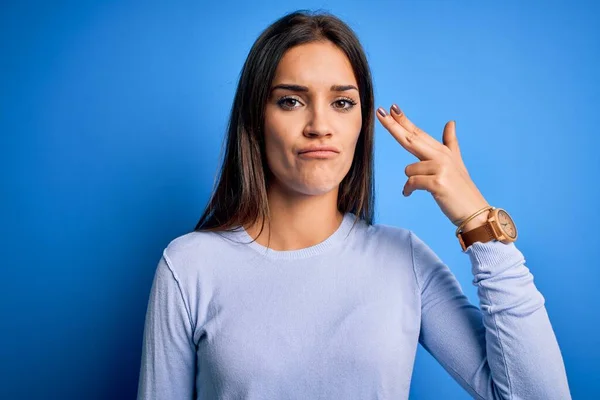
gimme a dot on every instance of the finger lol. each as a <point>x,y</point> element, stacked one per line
<point>451,141</point>
<point>449,137</point>
<point>419,182</point>
<point>407,124</point>
<point>411,142</point>
<point>427,167</point>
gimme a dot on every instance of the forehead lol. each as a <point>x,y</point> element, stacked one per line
<point>315,64</point>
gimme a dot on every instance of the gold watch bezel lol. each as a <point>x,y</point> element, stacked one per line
<point>499,233</point>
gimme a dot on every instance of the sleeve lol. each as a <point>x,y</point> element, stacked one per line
<point>168,352</point>
<point>506,349</point>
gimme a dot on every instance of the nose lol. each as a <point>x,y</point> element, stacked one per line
<point>317,124</point>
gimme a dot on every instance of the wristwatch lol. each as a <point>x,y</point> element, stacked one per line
<point>499,226</point>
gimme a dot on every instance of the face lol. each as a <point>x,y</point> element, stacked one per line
<point>314,102</point>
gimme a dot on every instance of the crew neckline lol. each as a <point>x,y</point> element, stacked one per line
<point>335,238</point>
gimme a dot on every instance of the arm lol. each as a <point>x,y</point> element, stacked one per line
<point>505,350</point>
<point>168,353</point>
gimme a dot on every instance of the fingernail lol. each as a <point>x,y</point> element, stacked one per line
<point>396,109</point>
<point>382,112</point>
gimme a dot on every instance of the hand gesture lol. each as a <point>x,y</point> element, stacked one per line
<point>441,170</point>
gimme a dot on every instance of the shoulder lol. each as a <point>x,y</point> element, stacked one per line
<point>397,236</point>
<point>198,250</point>
<point>419,250</point>
<point>389,235</point>
<point>192,241</point>
<point>386,240</point>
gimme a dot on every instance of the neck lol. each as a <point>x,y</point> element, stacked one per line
<point>298,221</point>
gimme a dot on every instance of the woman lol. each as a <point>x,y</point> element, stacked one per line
<point>287,290</point>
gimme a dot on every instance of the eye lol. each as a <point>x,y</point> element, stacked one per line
<point>291,103</point>
<point>288,103</point>
<point>345,103</point>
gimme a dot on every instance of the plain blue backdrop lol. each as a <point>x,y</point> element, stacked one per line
<point>112,116</point>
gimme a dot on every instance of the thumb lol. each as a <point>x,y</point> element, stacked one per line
<point>450,140</point>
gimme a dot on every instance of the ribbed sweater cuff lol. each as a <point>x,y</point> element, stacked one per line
<point>485,257</point>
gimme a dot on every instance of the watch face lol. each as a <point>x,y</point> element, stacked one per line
<point>506,224</point>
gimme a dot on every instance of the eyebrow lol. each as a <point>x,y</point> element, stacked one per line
<point>299,88</point>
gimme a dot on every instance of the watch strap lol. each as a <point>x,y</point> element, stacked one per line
<point>483,233</point>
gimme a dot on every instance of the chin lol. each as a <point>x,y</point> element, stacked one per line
<point>316,188</point>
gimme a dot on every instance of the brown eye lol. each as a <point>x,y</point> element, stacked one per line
<point>288,103</point>
<point>345,104</point>
<point>342,103</point>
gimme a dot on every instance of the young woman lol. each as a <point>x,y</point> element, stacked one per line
<point>287,290</point>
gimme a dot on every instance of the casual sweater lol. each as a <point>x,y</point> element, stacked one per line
<point>228,319</point>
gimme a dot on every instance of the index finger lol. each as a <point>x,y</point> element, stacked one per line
<point>407,124</point>
<point>414,141</point>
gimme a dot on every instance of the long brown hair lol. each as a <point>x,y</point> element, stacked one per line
<point>240,196</point>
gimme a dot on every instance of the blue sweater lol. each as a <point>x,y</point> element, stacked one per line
<point>342,320</point>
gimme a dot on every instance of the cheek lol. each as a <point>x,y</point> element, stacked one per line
<point>352,140</point>
<point>277,148</point>
<point>352,124</point>
<point>351,151</point>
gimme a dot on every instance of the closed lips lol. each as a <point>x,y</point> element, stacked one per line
<point>319,148</point>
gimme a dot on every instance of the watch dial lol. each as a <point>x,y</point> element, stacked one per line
<point>506,224</point>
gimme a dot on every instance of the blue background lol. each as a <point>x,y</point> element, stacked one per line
<point>112,116</point>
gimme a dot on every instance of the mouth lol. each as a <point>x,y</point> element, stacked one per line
<point>318,154</point>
